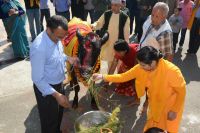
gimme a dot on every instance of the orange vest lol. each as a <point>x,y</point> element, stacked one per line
<point>193,15</point>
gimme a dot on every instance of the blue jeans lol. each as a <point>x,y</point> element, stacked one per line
<point>34,14</point>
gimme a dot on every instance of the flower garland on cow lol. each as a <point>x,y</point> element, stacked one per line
<point>71,47</point>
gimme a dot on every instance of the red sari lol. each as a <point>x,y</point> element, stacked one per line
<point>128,61</point>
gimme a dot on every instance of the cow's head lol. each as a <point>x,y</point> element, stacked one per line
<point>89,49</point>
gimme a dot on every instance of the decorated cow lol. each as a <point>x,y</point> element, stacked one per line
<point>83,43</point>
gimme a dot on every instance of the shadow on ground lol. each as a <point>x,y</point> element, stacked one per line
<point>189,66</point>
<point>6,63</point>
<point>32,122</point>
<point>6,57</point>
<point>3,42</point>
<point>70,115</point>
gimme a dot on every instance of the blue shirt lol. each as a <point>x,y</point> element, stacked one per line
<point>47,63</point>
<point>198,13</point>
<point>44,4</point>
<point>62,5</point>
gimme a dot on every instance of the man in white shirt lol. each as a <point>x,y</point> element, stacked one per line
<point>117,24</point>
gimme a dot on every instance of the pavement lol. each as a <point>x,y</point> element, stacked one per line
<point>18,108</point>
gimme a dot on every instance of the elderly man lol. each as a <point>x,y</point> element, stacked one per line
<point>157,31</point>
<point>117,24</point>
<point>145,7</point>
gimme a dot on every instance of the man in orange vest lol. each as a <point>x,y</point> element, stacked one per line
<point>194,42</point>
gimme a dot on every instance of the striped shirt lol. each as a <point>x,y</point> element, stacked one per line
<point>160,37</point>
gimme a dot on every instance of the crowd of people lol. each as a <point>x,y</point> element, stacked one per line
<point>139,11</point>
<point>146,65</point>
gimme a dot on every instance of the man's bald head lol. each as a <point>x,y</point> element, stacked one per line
<point>159,13</point>
<point>163,7</point>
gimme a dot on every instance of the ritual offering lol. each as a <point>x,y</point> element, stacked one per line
<point>98,122</point>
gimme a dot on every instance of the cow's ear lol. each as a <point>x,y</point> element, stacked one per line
<point>79,36</point>
<point>105,38</point>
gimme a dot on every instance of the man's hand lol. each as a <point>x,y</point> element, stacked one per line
<point>61,99</point>
<point>12,11</point>
<point>171,115</point>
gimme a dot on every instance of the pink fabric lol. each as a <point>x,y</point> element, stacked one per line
<point>186,12</point>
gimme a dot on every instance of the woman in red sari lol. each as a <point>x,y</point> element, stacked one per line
<point>126,53</point>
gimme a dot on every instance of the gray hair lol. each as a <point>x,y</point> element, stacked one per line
<point>162,7</point>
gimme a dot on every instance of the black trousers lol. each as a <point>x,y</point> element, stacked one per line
<point>194,42</point>
<point>183,32</point>
<point>91,12</point>
<point>140,31</point>
<point>175,40</point>
<point>137,23</point>
<point>77,9</point>
<point>44,13</point>
<point>49,110</point>
<point>65,14</point>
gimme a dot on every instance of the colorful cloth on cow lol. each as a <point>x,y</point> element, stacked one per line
<point>71,41</point>
<point>166,89</point>
<point>128,61</point>
<point>16,27</point>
